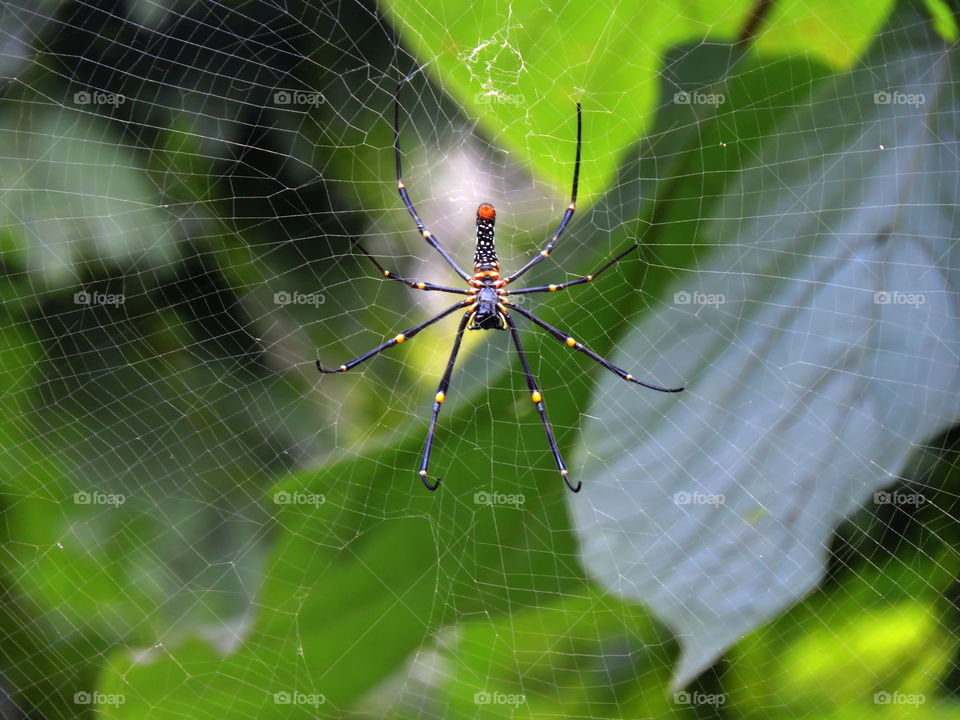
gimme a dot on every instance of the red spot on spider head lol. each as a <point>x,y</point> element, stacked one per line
<point>486,212</point>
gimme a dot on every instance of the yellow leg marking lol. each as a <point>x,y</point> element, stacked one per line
<point>420,286</point>
<point>440,397</point>
<point>536,396</point>
<point>552,288</point>
<point>572,206</point>
<point>629,376</point>
<point>544,253</point>
<point>571,342</point>
<point>426,233</point>
<point>423,473</point>
<point>564,472</point>
<point>400,185</point>
<point>400,338</point>
<point>343,368</point>
<point>589,277</point>
<point>386,273</point>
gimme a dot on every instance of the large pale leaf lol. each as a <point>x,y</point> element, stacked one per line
<point>806,391</point>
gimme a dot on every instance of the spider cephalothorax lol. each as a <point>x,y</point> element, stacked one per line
<point>486,303</point>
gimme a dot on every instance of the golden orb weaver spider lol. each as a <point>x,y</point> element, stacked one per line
<point>486,304</point>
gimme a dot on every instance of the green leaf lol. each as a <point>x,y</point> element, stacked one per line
<point>367,566</point>
<point>520,67</point>
<point>872,637</point>
<point>583,655</point>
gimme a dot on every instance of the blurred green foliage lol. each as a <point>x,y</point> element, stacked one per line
<point>198,200</point>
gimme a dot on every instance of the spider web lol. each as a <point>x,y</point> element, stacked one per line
<point>196,522</point>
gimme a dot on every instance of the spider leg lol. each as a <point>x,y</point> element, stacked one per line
<point>563,337</point>
<point>578,281</point>
<point>412,283</point>
<point>566,215</point>
<point>427,235</point>
<point>537,398</point>
<point>438,400</point>
<point>406,334</point>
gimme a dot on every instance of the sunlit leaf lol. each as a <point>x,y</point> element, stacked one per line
<point>520,67</point>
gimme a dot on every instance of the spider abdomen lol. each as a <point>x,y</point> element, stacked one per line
<point>486,255</point>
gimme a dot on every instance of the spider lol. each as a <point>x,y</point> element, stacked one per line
<point>487,303</point>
